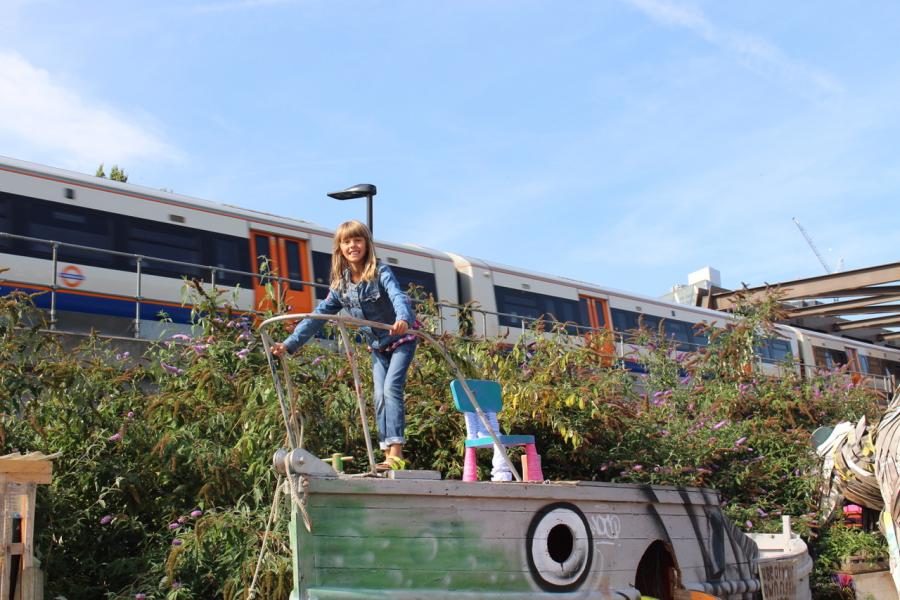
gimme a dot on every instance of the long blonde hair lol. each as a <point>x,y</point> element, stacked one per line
<point>339,264</point>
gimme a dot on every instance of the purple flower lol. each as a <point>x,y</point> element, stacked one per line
<point>242,354</point>
<point>129,415</point>
<point>703,470</point>
<point>762,513</point>
<point>740,441</point>
<point>176,542</point>
<point>196,513</point>
<point>140,596</point>
<point>685,380</point>
<point>664,432</point>
<point>318,359</point>
<point>199,348</point>
<point>106,520</point>
<point>122,356</point>
<point>182,520</point>
<point>174,525</point>
<point>171,369</point>
<point>180,337</point>
<point>749,524</point>
<point>114,437</point>
<point>245,335</point>
<point>720,424</point>
<point>176,585</point>
<point>637,468</point>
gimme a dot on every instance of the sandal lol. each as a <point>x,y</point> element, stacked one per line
<point>391,463</point>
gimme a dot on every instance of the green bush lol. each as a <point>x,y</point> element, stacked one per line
<point>164,484</point>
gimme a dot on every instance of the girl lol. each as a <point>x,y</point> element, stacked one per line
<point>368,289</point>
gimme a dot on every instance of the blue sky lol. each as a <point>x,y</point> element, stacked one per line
<point>623,142</point>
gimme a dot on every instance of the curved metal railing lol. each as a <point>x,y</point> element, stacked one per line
<point>285,392</point>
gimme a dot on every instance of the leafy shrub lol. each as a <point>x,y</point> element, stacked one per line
<point>165,484</point>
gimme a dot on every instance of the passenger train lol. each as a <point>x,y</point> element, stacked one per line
<point>122,251</point>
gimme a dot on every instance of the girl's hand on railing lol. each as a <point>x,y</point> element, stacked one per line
<point>399,328</point>
<point>278,349</point>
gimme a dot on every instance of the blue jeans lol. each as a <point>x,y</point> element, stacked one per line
<point>389,375</point>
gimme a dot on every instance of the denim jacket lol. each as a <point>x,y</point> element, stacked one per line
<point>380,300</point>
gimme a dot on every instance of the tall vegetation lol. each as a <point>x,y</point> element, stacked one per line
<point>164,484</point>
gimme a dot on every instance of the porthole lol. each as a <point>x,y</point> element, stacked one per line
<point>559,547</point>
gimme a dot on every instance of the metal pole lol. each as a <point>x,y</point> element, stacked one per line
<point>137,300</point>
<point>53,288</point>
<point>369,214</point>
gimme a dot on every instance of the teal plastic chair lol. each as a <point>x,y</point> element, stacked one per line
<point>489,396</point>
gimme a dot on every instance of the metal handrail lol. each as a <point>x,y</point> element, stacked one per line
<point>620,339</point>
<point>138,258</point>
<point>342,322</point>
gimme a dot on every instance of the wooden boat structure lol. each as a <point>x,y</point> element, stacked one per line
<point>861,464</point>
<point>412,535</point>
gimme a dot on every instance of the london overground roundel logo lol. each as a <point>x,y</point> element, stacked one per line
<point>559,547</point>
<point>71,276</point>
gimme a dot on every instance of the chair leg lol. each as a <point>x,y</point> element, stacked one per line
<point>531,469</point>
<point>470,466</point>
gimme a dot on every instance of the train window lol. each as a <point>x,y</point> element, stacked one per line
<point>679,332</point>
<point>828,358</point>
<point>584,312</point>
<point>874,366</point>
<point>531,305</point>
<point>780,350</point>
<point>624,320</point>
<point>321,272</point>
<point>422,279</point>
<point>5,222</point>
<point>892,367</point>
<point>72,225</point>
<point>230,253</point>
<point>294,273</point>
<point>699,337</point>
<point>263,259</point>
<point>160,240</point>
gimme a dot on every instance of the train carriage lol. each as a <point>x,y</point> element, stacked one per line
<point>118,242</point>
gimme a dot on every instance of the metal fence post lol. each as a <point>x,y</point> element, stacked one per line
<point>137,299</point>
<point>53,286</point>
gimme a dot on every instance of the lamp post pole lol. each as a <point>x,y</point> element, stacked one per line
<point>360,190</point>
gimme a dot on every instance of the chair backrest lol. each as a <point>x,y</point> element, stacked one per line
<point>487,393</point>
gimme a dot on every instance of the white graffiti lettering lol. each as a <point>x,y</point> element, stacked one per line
<point>606,526</point>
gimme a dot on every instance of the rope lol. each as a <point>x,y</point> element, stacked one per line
<point>272,516</point>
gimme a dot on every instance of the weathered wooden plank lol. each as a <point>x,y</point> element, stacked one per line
<point>5,537</point>
<point>572,491</point>
<point>27,564</point>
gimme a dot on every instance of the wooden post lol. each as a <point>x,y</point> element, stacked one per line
<point>19,477</point>
<point>5,537</point>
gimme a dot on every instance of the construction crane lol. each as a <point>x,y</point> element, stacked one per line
<point>813,247</point>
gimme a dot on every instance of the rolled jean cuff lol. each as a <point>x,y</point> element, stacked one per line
<point>388,442</point>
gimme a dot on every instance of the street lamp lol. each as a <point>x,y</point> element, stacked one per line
<point>360,190</point>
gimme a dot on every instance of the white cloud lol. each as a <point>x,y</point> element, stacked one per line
<point>43,119</point>
<point>758,52</point>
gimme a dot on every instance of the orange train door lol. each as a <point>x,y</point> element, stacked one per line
<point>597,312</point>
<point>276,256</point>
